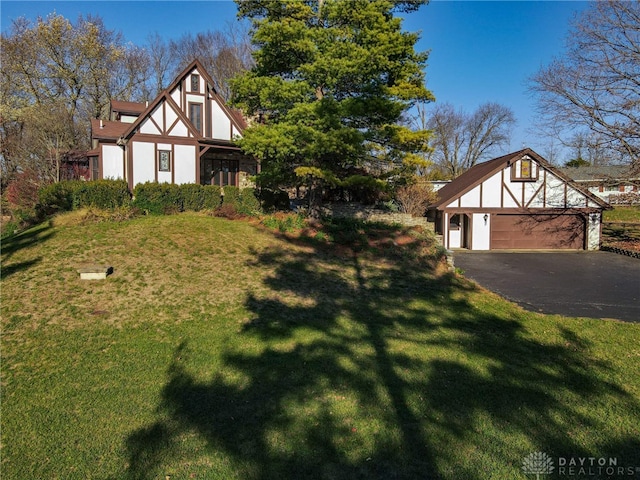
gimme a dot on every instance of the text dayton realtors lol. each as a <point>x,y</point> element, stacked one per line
<point>593,466</point>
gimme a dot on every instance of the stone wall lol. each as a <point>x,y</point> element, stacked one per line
<point>371,214</point>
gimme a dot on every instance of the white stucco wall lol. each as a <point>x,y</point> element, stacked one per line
<point>221,123</point>
<point>491,191</point>
<point>112,162</point>
<point>144,162</point>
<point>185,164</point>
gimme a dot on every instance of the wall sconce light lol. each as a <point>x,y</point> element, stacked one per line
<point>486,217</point>
<point>594,218</point>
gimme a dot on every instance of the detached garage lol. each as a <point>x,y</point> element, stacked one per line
<point>517,201</point>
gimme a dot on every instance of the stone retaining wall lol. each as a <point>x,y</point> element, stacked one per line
<point>371,214</point>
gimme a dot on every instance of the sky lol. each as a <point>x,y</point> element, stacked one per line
<point>480,51</point>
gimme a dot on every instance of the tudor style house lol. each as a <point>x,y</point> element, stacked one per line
<point>517,201</point>
<point>186,135</point>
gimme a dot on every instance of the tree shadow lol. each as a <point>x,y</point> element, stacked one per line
<point>13,244</point>
<point>355,378</point>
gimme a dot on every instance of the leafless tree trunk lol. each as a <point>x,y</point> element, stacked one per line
<point>595,86</point>
<point>461,140</point>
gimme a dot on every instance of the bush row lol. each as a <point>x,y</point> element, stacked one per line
<point>73,194</point>
<point>151,197</point>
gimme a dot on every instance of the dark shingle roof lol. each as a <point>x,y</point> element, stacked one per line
<point>478,173</point>
<point>107,130</point>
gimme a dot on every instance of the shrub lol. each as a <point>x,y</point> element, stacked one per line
<point>212,197</point>
<point>415,198</point>
<point>243,201</point>
<point>365,189</point>
<point>271,200</point>
<point>157,198</point>
<point>58,197</point>
<point>285,223</point>
<point>103,194</point>
<point>22,192</point>
<point>192,196</point>
<point>227,210</point>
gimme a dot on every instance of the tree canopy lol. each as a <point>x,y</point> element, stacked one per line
<point>594,88</point>
<point>331,81</point>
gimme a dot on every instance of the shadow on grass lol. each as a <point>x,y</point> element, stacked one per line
<point>373,369</point>
<point>13,244</point>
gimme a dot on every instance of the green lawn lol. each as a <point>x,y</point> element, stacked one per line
<point>223,350</point>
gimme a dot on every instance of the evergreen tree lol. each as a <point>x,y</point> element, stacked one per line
<point>331,82</point>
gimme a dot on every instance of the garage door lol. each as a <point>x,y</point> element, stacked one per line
<point>537,231</point>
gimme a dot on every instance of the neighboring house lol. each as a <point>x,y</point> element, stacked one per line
<point>613,183</point>
<point>186,135</point>
<point>517,201</point>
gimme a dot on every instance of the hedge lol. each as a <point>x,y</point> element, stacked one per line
<point>162,198</point>
<point>71,194</point>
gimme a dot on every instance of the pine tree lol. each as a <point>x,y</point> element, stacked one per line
<point>331,82</point>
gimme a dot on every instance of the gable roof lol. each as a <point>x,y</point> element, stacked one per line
<point>234,116</point>
<point>480,172</point>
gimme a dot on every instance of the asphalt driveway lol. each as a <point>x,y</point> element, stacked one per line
<point>575,284</point>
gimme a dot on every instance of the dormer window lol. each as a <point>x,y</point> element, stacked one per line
<point>195,83</point>
<point>524,170</point>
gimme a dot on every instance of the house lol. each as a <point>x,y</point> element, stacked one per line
<point>517,201</point>
<point>616,184</point>
<point>185,135</point>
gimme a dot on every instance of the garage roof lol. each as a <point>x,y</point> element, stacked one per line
<point>480,172</point>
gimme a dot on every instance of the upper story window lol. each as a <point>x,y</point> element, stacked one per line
<point>524,170</point>
<point>195,115</point>
<point>195,83</point>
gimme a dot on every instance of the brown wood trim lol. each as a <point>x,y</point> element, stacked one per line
<point>481,192</point>
<point>535,194</point>
<point>208,114</point>
<point>544,193</point>
<point>154,122</point>
<point>172,126</point>
<point>130,164</point>
<point>504,187</point>
<point>524,211</point>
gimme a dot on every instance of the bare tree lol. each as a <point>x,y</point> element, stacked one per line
<point>224,54</point>
<point>161,62</point>
<point>462,140</point>
<point>595,86</point>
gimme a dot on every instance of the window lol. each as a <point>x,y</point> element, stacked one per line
<point>95,168</point>
<point>195,115</point>
<point>195,83</point>
<point>164,160</point>
<point>523,170</point>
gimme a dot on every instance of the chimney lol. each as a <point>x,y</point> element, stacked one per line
<point>146,104</point>
<point>101,124</point>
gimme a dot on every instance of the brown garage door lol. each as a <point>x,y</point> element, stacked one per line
<point>537,231</point>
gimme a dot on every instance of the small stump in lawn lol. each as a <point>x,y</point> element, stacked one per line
<point>94,272</point>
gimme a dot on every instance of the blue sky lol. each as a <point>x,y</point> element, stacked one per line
<point>480,51</point>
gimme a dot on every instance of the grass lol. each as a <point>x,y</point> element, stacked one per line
<point>622,227</point>
<point>622,214</point>
<point>223,349</point>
